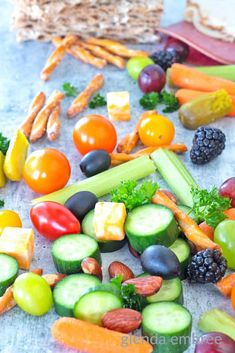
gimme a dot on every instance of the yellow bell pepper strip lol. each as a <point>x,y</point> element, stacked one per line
<point>2,175</point>
<point>109,219</point>
<point>15,156</point>
<point>18,243</point>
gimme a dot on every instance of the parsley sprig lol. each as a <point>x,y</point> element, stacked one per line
<point>133,195</point>
<point>4,143</point>
<point>2,203</point>
<point>97,101</point>
<point>69,90</point>
<point>209,206</point>
<point>150,101</point>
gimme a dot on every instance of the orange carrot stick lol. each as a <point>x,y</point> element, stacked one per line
<point>34,109</point>
<point>190,228</point>
<point>226,284</point>
<point>86,337</point>
<point>187,95</point>
<point>53,124</point>
<point>187,77</point>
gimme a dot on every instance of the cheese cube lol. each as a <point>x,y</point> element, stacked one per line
<point>18,243</point>
<point>109,219</point>
<point>118,104</point>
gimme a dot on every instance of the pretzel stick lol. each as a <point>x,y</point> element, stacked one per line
<point>104,54</point>
<point>40,123</point>
<point>56,57</point>
<point>116,47</point>
<point>82,100</point>
<point>81,54</point>
<point>53,124</point>
<point>34,109</point>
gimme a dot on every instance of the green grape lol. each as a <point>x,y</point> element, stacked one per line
<point>225,237</point>
<point>136,64</point>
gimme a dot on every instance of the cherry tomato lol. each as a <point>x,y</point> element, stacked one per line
<point>33,294</point>
<point>9,218</point>
<point>156,130</point>
<point>233,297</point>
<point>52,220</point>
<point>46,170</point>
<point>94,132</point>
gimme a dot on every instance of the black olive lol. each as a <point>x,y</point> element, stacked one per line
<point>95,162</point>
<point>160,261</point>
<point>81,203</point>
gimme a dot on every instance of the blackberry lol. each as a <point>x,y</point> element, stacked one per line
<point>208,143</point>
<point>165,58</point>
<point>207,266</point>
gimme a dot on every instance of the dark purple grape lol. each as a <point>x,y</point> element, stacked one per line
<point>227,189</point>
<point>152,79</point>
<point>215,342</point>
<point>179,47</point>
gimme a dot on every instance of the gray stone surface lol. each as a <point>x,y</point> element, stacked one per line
<point>19,81</point>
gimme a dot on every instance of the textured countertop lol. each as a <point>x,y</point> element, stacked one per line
<point>19,81</point>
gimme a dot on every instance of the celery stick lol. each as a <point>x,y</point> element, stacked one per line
<point>175,174</point>
<point>218,321</point>
<point>101,184</point>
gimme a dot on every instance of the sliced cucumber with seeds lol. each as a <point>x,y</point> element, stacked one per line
<point>105,246</point>
<point>68,291</point>
<point>182,250</point>
<point>170,291</point>
<point>8,272</point>
<point>169,326</point>
<point>93,305</point>
<point>149,225</point>
<point>69,251</point>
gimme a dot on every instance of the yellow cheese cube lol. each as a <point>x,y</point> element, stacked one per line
<point>109,219</point>
<point>18,243</point>
<point>118,104</point>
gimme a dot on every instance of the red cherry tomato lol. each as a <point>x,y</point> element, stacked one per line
<point>46,170</point>
<point>52,220</point>
<point>94,132</point>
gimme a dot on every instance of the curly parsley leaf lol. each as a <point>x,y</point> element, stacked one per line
<point>69,90</point>
<point>170,101</point>
<point>209,206</point>
<point>117,281</point>
<point>149,101</point>
<point>131,299</point>
<point>134,195</point>
<point>2,203</point>
<point>4,143</point>
<point>97,101</point>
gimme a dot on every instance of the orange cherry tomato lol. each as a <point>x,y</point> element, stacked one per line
<point>94,132</point>
<point>9,218</point>
<point>156,130</point>
<point>233,297</point>
<point>46,170</point>
<point>230,213</point>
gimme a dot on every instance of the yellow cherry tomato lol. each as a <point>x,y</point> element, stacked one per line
<point>9,218</point>
<point>156,130</point>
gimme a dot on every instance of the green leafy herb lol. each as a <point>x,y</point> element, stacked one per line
<point>209,206</point>
<point>170,101</point>
<point>149,101</point>
<point>2,203</point>
<point>69,90</point>
<point>133,195</point>
<point>4,143</point>
<point>117,281</point>
<point>131,299</point>
<point>97,101</point>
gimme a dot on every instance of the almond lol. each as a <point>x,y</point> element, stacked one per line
<point>122,320</point>
<point>146,285</point>
<point>170,195</point>
<point>92,267</point>
<point>118,268</point>
<point>53,278</point>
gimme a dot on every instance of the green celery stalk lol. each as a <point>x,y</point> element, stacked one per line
<point>218,321</point>
<point>103,183</point>
<point>175,174</point>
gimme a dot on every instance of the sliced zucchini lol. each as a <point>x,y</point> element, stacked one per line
<point>69,251</point>
<point>149,225</point>
<point>93,305</point>
<point>8,272</point>
<point>105,246</point>
<point>182,250</point>
<point>168,324</point>
<point>67,292</point>
<point>170,291</point>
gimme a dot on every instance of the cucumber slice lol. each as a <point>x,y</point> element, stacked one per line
<point>68,291</point>
<point>8,272</point>
<point>69,251</point>
<point>105,246</point>
<point>170,291</point>
<point>168,325</point>
<point>182,250</point>
<point>93,305</point>
<point>149,225</point>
